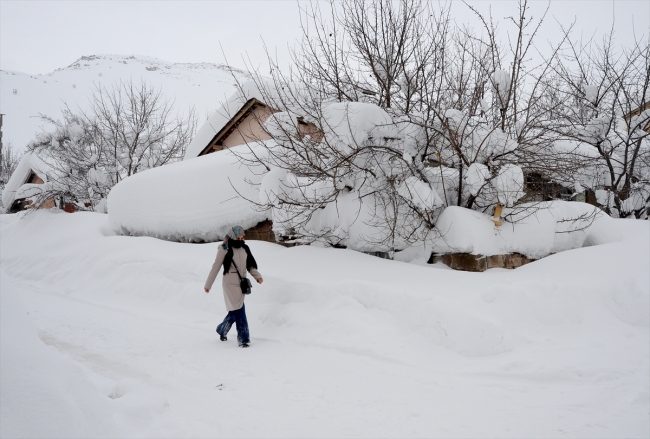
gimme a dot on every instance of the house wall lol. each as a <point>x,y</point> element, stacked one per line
<point>250,129</point>
<point>48,204</point>
<point>309,129</point>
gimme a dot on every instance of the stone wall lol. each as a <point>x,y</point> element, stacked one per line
<point>261,232</point>
<point>479,263</point>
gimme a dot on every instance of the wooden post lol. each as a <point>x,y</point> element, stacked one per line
<point>497,215</point>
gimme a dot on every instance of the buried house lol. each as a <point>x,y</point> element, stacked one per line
<point>38,182</point>
<point>27,187</point>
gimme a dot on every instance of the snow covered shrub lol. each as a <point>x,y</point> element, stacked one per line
<point>74,162</point>
<point>414,115</point>
<point>601,109</point>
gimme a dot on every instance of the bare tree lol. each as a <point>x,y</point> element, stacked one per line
<point>73,160</point>
<point>128,129</point>
<point>601,106</point>
<point>137,128</point>
<point>8,162</point>
<point>451,117</point>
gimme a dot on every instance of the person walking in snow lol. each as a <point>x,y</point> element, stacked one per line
<point>235,256</point>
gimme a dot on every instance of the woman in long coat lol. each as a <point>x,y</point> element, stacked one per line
<point>234,253</point>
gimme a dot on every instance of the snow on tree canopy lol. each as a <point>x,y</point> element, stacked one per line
<point>420,193</point>
<point>509,184</point>
<point>349,124</point>
<point>445,181</point>
<point>456,118</point>
<point>591,93</point>
<point>501,83</point>
<point>189,201</point>
<point>476,177</point>
<point>349,219</point>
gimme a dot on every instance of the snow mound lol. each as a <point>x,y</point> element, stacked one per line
<point>189,201</point>
<point>535,231</point>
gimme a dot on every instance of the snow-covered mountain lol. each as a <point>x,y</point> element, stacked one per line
<point>23,96</point>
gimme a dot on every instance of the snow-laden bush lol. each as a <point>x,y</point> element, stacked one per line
<point>556,226</point>
<point>382,125</point>
<point>403,135</point>
<point>72,165</point>
<point>601,108</point>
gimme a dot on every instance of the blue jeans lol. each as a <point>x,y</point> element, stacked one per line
<point>238,317</point>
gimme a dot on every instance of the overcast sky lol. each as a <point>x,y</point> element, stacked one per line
<point>39,36</point>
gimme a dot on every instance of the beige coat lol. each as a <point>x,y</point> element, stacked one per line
<point>231,290</point>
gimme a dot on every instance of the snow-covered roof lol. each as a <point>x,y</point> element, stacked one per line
<point>190,201</point>
<point>29,163</point>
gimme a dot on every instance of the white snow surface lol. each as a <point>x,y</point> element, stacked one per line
<point>202,86</point>
<point>501,83</point>
<point>113,336</point>
<point>535,230</point>
<point>190,201</point>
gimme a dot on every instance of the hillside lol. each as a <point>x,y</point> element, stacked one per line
<point>23,96</point>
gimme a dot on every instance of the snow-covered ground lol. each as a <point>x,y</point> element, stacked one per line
<point>106,336</point>
<point>203,86</point>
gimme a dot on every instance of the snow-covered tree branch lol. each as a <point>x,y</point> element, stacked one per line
<point>601,109</point>
<point>392,112</point>
<point>128,129</point>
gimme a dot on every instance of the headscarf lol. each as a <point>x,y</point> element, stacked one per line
<point>232,235</point>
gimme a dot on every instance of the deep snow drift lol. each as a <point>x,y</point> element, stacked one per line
<point>343,344</point>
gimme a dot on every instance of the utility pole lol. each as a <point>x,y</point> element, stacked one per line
<point>1,154</point>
